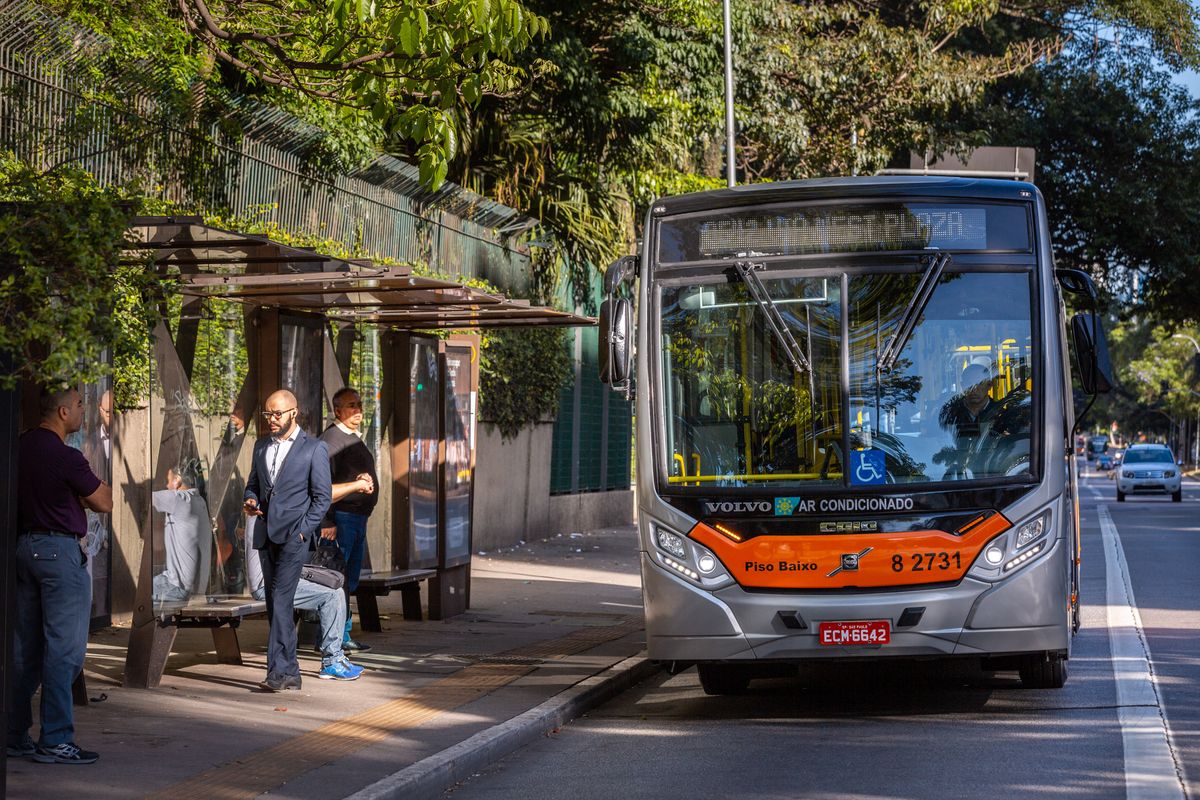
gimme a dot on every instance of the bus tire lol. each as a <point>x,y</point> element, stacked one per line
<point>1044,671</point>
<point>1177,495</point>
<point>716,679</point>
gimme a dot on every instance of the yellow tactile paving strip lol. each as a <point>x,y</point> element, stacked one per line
<point>261,771</point>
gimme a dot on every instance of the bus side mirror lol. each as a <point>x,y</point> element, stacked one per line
<point>616,337</point>
<point>618,272</point>
<point>1091,349</point>
<point>616,325</point>
<point>1076,281</point>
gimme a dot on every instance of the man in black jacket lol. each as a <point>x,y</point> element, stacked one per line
<point>353,469</point>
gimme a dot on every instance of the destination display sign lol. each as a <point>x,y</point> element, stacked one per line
<point>842,228</point>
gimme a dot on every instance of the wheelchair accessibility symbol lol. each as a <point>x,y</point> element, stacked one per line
<point>867,467</point>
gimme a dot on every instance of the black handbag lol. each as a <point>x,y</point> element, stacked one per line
<point>323,575</point>
<point>326,565</point>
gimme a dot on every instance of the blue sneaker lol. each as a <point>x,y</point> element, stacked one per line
<point>341,670</point>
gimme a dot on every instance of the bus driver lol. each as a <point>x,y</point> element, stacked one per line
<point>965,413</point>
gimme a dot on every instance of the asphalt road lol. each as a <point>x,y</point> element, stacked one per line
<point>1125,725</point>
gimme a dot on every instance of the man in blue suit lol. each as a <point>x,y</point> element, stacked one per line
<point>289,490</point>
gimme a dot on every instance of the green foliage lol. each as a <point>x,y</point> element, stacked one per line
<point>1118,144</point>
<point>521,373</point>
<point>220,362</point>
<point>66,294</point>
<point>1165,375</point>
<point>629,103</point>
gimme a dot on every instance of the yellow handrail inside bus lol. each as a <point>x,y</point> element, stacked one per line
<point>772,476</point>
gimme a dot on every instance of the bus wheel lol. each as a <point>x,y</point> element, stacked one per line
<point>1044,671</point>
<point>723,678</point>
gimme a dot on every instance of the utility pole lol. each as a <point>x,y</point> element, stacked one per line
<point>730,159</point>
<point>1196,431</point>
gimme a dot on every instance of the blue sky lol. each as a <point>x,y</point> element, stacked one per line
<point>1191,81</point>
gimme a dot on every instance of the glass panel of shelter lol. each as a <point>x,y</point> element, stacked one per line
<point>94,440</point>
<point>200,450</point>
<point>203,421</point>
<point>423,410</point>
<point>459,432</point>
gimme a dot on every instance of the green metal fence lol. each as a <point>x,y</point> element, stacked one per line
<point>263,167</point>
<point>593,432</point>
<point>381,208</point>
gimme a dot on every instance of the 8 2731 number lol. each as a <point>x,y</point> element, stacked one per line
<point>926,562</point>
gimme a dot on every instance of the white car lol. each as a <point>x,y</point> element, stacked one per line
<point>1149,468</point>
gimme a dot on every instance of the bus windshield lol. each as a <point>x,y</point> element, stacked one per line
<point>956,404</point>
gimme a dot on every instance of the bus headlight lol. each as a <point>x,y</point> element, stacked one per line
<point>1014,548</point>
<point>690,560</point>
<point>671,542</point>
<point>1033,530</point>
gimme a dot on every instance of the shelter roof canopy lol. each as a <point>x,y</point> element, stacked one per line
<point>211,262</point>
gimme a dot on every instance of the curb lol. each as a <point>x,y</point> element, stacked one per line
<point>429,778</point>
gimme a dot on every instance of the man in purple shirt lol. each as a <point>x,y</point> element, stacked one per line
<point>54,591</point>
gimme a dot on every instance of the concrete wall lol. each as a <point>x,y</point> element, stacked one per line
<point>590,510</point>
<point>512,493</point>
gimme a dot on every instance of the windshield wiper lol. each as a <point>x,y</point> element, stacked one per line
<point>916,307</point>
<point>747,271</point>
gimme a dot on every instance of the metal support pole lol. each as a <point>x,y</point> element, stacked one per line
<point>10,411</point>
<point>1196,432</point>
<point>730,159</point>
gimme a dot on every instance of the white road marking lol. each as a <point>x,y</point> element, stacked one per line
<point>1152,770</point>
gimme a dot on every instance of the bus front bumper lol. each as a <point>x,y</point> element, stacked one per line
<point>1023,614</point>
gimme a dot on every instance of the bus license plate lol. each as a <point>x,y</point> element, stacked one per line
<point>876,631</point>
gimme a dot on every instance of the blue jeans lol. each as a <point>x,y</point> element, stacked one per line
<point>352,541</point>
<point>54,601</point>
<point>330,606</point>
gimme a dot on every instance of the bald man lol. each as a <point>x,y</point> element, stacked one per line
<point>289,491</point>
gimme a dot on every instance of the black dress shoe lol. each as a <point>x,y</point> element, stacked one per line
<point>285,683</point>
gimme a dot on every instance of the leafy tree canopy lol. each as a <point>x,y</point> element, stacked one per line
<point>402,68</point>
<point>68,291</point>
<point>1117,143</point>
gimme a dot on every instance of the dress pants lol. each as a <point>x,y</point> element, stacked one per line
<point>281,565</point>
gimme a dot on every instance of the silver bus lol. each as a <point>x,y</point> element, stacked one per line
<point>855,425</point>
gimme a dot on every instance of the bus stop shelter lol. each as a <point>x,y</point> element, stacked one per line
<point>253,315</point>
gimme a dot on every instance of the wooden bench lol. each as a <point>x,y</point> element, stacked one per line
<point>151,642</point>
<point>378,584</point>
<point>222,616</point>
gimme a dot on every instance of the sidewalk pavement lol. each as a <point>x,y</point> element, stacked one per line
<point>555,627</point>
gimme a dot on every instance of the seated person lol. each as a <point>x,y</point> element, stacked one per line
<point>329,603</point>
<point>187,537</point>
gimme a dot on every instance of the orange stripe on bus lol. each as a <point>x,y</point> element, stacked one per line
<point>900,558</point>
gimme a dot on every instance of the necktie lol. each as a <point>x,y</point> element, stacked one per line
<point>277,445</point>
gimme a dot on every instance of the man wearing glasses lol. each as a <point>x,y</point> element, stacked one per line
<point>289,490</point>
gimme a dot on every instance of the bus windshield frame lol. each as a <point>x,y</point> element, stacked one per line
<point>1015,373</point>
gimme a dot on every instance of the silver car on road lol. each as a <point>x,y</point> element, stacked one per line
<point>1149,468</point>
